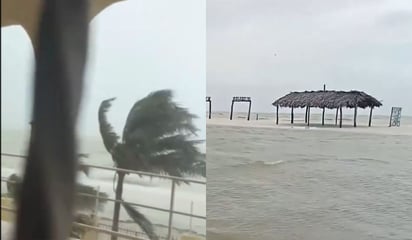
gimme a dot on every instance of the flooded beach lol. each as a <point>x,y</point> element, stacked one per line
<point>283,182</point>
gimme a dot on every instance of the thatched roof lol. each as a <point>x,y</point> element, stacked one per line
<point>327,99</point>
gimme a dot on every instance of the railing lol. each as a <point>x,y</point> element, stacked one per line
<point>171,210</point>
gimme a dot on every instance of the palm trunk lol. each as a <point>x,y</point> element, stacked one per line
<point>116,214</point>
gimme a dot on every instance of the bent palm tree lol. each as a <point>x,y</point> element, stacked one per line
<point>156,138</point>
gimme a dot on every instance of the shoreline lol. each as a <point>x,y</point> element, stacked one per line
<point>378,129</point>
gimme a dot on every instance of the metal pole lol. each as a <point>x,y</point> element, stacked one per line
<point>172,200</point>
<point>96,207</point>
<point>191,212</point>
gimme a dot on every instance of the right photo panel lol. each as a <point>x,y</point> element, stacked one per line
<point>309,120</point>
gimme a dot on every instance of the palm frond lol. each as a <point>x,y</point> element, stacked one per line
<point>110,138</point>
<point>141,220</point>
<point>155,116</point>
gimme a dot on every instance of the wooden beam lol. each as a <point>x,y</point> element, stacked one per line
<point>231,110</point>
<point>336,118</point>
<point>390,119</point>
<point>306,114</point>
<point>210,109</point>
<point>250,106</point>
<point>323,112</point>
<point>277,114</point>
<point>355,116</point>
<point>370,117</point>
<point>323,117</point>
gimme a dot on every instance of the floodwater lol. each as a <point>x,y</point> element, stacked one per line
<point>297,183</point>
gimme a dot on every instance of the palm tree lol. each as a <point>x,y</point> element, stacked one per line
<point>158,138</point>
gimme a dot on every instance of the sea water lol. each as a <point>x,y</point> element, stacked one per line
<point>288,183</point>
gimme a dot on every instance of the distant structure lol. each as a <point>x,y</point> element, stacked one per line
<point>241,99</point>
<point>327,99</point>
<point>208,100</point>
<point>395,120</point>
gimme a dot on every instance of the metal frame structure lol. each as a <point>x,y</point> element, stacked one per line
<point>241,99</point>
<point>171,210</point>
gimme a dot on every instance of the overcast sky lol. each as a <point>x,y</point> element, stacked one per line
<point>358,44</point>
<point>136,47</point>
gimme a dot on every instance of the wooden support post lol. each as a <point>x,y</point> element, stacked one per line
<point>370,117</point>
<point>340,121</point>
<point>390,118</point>
<point>248,114</point>
<point>336,118</point>
<point>323,112</point>
<point>231,110</point>
<point>210,109</point>
<point>323,117</point>
<point>291,116</point>
<point>308,116</point>
<point>355,116</point>
<point>277,114</point>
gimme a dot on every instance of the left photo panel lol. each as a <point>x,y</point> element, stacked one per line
<point>116,99</point>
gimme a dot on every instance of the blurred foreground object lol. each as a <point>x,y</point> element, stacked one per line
<point>46,200</point>
<point>27,12</point>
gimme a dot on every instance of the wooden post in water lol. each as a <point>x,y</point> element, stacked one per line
<point>336,118</point>
<point>323,116</point>
<point>340,121</point>
<point>277,114</point>
<point>323,111</point>
<point>355,116</point>
<point>308,116</point>
<point>291,116</point>
<point>208,100</point>
<point>370,117</point>
<point>250,106</point>
<point>231,110</point>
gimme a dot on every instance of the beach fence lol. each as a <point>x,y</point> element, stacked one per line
<point>92,232</point>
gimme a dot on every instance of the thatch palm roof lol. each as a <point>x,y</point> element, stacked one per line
<point>327,99</point>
